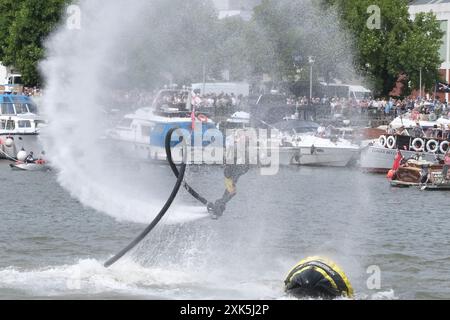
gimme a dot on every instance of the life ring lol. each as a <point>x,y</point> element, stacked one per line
<point>441,147</point>
<point>382,141</point>
<point>390,142</point>
<point>202,118</point>
<point>420,147</point>
<point>434,148</point>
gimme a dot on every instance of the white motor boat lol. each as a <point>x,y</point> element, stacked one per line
<point>19,126</point>
<point>299,145</point>
<point>379,155</point>
<point>317,151</point>
<point>141,135</point>
<point>407,122</point>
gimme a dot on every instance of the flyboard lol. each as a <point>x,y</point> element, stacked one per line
<point>179,174</point>
<point>185,214</point>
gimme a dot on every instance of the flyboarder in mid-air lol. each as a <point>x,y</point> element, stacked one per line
<point>232,172</point>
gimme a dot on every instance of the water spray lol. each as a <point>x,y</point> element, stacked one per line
<point>179,174</point>
<point>166,206</point>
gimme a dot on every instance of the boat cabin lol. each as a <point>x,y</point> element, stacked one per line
<point>12,104</point>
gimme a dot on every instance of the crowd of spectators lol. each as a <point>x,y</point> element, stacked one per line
<point>414,109</point>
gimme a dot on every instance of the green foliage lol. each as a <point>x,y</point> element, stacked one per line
<point>8,11</point>
<point>24,25</point>
<point>400,46</point>
<point>277,41</point>
<point>171,47</point>
<point>292,31</point>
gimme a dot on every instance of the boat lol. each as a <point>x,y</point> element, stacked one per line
<point>19,125</point>
<point>331,152</point>
<point>408,121</point>
<point>141,135</point>
<point>379,155</point>
<point>420,173</point>
<point>39,165</point>
<point>301,145</point>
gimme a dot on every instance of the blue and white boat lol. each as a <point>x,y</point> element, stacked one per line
<point>141,135</point>
<point>19,125</point>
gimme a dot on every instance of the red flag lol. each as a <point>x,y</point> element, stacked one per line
<point>397,161</point>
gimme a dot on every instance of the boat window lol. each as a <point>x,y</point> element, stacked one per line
<point>24,124</point>
<point>6,99</point>
<point>3,124</point>
<point>146,131</point>
<point>18,99</point>
<point>10,125</point>
<point>39,123</point>
<point>21,108</point>
<point>7,108</point>
<point>126,123</point>
<point>32,108</point>
<point>158,129</point>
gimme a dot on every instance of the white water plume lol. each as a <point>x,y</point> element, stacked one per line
<point>140,44</point>
<point>81,70</point>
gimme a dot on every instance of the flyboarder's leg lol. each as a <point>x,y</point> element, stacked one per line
<point>232,174</point>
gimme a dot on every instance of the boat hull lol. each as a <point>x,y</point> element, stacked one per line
<point>326,156</point>
<point>28,142</point>
<point>30,167</point>
<point>380,159</point>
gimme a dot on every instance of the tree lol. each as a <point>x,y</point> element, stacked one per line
<point>399,46</point>
<point>292,31</point>
<point>171,47</point>
<point>28,23</point>
<point>8,11</point>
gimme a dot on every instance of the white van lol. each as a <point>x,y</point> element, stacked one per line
<point>9,76</point>
<point>349,91</point>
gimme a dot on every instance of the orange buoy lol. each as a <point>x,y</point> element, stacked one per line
<point>390,174</point>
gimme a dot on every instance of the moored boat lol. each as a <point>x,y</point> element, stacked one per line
<point>19,125</point>
<point>141,135</point>
<point>301,145</point>
<point>379,156</point>
<point>420,173</point>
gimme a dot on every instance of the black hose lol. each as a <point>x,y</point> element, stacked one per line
<point>176,188</point>
<point>175,171</point>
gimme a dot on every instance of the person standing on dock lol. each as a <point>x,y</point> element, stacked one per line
<point>446,164</point>
<point>417,131</point>
<point>403,131</point>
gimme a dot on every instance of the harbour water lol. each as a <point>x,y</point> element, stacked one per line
<point>51,246</point>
